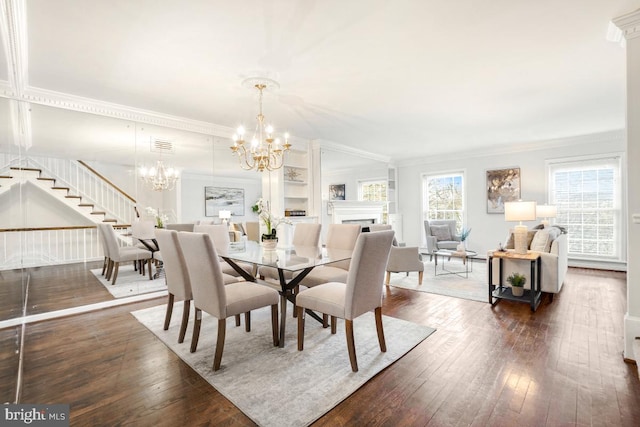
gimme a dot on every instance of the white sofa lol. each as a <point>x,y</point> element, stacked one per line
<point>554,266</point>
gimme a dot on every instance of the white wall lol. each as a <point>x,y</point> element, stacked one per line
<point>489,229</point>
<point>191,195</point>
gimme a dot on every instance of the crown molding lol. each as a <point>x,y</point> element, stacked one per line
<point>629,24</point>
<point>118,111</point>
<point>505,149</point>
<point>6,90</point>
<point>334,146</point>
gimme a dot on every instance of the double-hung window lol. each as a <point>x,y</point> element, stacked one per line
<point>374,191</point>
<point>588,196</point>
<point>443,197</point>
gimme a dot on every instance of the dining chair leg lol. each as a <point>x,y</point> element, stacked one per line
<point>386,282</point>
<point>196,330</point>
<point>141,267</point>
<point>150,262</point>
<point>186,306</point>
<point>222,330</point>
<point>108,272</point>
<point>104,265</point>
<point>325,320</point>
<point>295,290</point>
<point>333,324</point>
<point>381,341</point>
<point>274,325</point>
<point>116,267</point>
<point>351,344</point>
<point>420,275</point>
<point>300,328</point>
<point>237,320</point>
<point>247,321</point>
<point>167,316</point>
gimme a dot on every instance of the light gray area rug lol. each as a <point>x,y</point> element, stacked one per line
<point>473,288</point>
<point>130,282</point>
<point>283,386</point>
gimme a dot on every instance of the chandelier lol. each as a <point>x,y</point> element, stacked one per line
<point>264,152</point>
<point>159,178</point>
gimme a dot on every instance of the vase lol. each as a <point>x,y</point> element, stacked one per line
<point>461,248</point>
<point>269,244</point>
<point>517,291</point>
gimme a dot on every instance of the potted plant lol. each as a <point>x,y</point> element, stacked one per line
<point>517,281</point>
<point>463,237</point>
<point>269,239</point>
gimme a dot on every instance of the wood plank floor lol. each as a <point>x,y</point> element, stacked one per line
<point>501,366</point>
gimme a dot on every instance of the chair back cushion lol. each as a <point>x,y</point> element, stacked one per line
<point>366,274</point>
<point>440,232</point>
<point>306,234</point>
<point>219,235</point>
<point>103,240</point>
<point>175,266</point>
<point>143,230</point>
<point>179,227</point>
<point>253,230</point>
<point>342,236</point>
<point>205,274</point>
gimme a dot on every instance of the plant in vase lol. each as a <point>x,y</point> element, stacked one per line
<point>463,237</point>
<point>158,217</point>
<point>517,281</point>
<point>270,222</point>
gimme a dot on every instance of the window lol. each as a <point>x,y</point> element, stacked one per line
<point>587,194</point>
<point>375,191</point>
<point>443,197</point>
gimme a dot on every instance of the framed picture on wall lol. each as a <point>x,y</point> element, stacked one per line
<point>336,192</point>
<point>503,185</point>
<point>225,199</point>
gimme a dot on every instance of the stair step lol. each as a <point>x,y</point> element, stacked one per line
<point>109,220</point>
<point>46,179</point>
<point>86,205</point>
<point>60,188</point>
<point>98,213</point>
<point>16,168</point>
<point>6,176</point>
<point>73,197</point>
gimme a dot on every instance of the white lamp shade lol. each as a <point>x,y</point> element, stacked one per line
<point>520,211</point>
<point>546,211</point>
<point>224,214</point>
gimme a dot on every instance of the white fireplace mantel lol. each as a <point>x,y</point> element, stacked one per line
<point>354,210</point>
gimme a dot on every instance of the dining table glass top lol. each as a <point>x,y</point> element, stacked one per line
<point>295,258</point>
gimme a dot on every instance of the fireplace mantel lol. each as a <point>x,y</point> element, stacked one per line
<point>354,210</point>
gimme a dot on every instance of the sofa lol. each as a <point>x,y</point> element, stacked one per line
<point>552,244</point>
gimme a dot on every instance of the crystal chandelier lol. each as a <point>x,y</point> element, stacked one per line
<point>159,178</point>
<point>265,152</point>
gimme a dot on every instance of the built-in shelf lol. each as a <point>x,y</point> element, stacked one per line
<point>295,176</point>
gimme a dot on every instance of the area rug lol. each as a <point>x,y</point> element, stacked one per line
<point>130,282</point>
<point>283,386</point>
<point>473,288</point>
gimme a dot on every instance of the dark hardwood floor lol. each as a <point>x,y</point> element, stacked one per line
<point>501,366</point>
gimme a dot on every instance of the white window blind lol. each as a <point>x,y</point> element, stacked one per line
<point>443,197</point>
<point>587,194</point>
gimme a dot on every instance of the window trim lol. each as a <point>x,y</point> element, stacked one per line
<point>423,176</point>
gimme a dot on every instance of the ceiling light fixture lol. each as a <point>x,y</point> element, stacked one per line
<point>265,152</point>
<point>159,178</point>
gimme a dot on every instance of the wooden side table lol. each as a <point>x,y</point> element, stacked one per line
<point>497,292</point>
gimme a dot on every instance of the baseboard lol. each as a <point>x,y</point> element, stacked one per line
<point>631,333</point>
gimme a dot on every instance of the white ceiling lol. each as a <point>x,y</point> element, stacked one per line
<point>399,78</point>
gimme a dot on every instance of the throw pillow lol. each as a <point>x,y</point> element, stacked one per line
<point>510,242</point>
<point>541,241</point>
<point>440,232</point>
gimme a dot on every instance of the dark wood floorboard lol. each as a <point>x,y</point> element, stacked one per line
<point>484,366</point>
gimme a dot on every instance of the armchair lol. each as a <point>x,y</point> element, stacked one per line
<point>441,234</point>
<point>404,259</point>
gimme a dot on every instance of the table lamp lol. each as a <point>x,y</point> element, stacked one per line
<point>520,211</point>
<point>224,216</point>
<point>546,212</point>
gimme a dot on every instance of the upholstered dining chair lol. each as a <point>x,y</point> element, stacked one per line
<point>304,235</point>
<point>361,293</point>
<point>405,259</point>
<point>211,295</point>
<point>219,234</point>
<point>143,231</point>
<point>118,254</point>
<point>252,228</point>
<point>176,276</point>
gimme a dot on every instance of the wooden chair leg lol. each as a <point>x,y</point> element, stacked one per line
<point>300,328</point>
<point>386,282</point>
<point>150,262</point>
<point>196,330</point>
<point>351,344</point>
<point>275,327</point>
<point>381,341</point>
<point>109,269</point>
<point>104,265</point>
<point>247,321</point>
<point>325,320</point>
<point>237,320</point>
<point>222,330</point>
<point>185,320</point>
<point>116,267</point>
<point>167,317</point>
<point>295,290</point>
<point>420,275</point>
<point>333,324</point>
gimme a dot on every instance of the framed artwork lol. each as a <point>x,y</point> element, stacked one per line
<point>336,192</point>
<point>503,185</point>
<point>225,199</point>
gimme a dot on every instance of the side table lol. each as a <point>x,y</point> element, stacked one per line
<point>498,292</point>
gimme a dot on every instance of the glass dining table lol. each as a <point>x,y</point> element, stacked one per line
<point>297,259</point>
